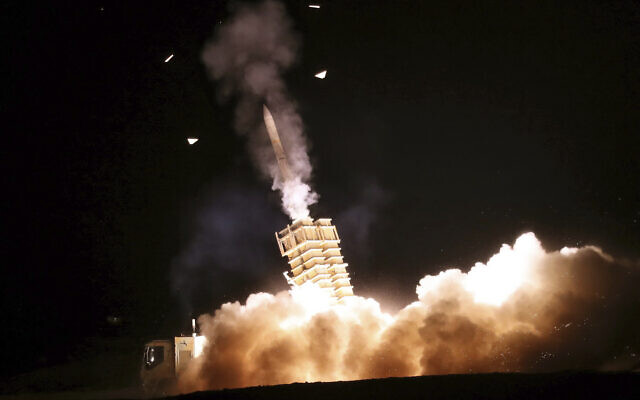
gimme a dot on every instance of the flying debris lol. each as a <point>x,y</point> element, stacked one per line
<point>314,5</point>
<point>321,74</point>
<point>169,58</point>
<point>192,140</point>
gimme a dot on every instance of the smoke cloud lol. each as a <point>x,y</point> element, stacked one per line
<point>247,58</point>
<point>525,310</point>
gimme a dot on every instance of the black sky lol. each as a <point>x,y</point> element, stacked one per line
<point>443,130</point>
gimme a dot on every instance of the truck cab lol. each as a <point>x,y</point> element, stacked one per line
<point>164,360</point>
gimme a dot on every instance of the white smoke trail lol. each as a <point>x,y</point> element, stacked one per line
<point>525,310</point>
<point>247,57</point>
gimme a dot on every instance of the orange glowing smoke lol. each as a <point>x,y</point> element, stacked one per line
<point>524,310</point>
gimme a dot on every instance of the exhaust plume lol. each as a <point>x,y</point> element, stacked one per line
<point>247,58</point>
<point>525,310</point>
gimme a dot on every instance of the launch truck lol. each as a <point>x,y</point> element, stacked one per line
<point>164,360</point>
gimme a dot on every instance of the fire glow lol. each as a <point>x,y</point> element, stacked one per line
<point>524,310</point>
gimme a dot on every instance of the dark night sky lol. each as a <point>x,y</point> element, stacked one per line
<point>443,130</point>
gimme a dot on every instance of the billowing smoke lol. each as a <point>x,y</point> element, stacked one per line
<point>248,57</point>
<point>525,310</point>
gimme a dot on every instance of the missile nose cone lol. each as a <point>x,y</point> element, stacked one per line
<point>266,114</point>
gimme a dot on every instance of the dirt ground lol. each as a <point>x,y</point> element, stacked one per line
<point>109,370</point>
<point>565,385</point>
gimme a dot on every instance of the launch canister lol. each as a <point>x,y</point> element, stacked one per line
<point>277,145</point>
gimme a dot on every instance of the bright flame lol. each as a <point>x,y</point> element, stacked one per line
<point>169,58</point>
<point>314,300</point>
<point>314,5</point>
<point>321,74</point>
<point>192,140</point>
<point>198,345</point>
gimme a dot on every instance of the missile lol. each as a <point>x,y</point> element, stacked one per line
<point>281,157</point>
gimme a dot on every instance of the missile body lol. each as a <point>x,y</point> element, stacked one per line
<point>277,145</point>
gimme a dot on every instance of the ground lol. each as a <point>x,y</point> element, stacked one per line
<point>562,385</point>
